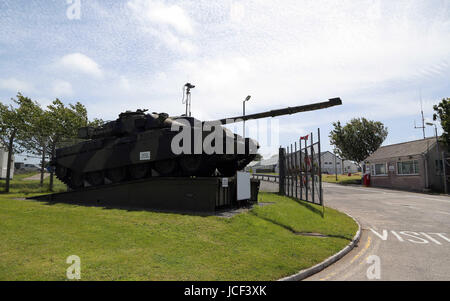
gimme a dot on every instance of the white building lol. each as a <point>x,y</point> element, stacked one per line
<point>332,163</point>
<point>4,164</point>
<point>265,165</point>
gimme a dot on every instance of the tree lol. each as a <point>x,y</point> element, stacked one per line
<point>36,139</point>
<point>358,139</point>
<point>64,122</point>
<point>15,123</point>
<point>443,114</point>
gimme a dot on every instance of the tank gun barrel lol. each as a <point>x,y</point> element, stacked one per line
<point>286,111</point>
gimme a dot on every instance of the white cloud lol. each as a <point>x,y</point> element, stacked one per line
<point>376,55</point>
<point>79,62</point>
<point>15,85</point>
<point>61,88</point>
<point>159,13</point>
<point>168,22</point>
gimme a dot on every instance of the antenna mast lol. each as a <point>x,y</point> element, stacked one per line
<point>187,95</point>
<point>423,119</point>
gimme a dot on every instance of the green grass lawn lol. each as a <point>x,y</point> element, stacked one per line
<point>342,179</point>
<point>19,185</point>
<point>116,244</point>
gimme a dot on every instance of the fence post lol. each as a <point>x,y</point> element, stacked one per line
<point>320,170</point>
<point>292,172</point>
<point>282,171</point>
<point>301,169</point>
<point>306,169</point>
<point>313,178</point>
<point>287,171</point>
<point>296,171</point>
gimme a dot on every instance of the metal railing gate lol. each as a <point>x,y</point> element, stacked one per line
<point>300,175</point>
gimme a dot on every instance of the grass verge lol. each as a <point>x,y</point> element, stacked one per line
<point>342,179</point>
<point>116,244</point>
<point>19,185</point>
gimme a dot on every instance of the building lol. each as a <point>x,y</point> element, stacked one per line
<point>330,163</point>
<point>264,166</point>
<point>4,164</point>
<point>414,165</point>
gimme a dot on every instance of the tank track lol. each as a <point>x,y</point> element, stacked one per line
<point>231,171</point>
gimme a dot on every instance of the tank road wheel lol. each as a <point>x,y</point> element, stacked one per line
<point>116,175</point>
<point>139,171</point>
<point>191,165</point>
<point>96,178</point>
<point>76,180</point>
<point>166,167</point>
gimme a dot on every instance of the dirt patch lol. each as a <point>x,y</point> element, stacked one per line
<point>36,177</point>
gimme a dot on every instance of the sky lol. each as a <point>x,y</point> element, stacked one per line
<point>381,57</point>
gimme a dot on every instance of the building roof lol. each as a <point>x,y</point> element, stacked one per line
<point>410,148</point>
<point>253,163</point>
<point>271,161</point>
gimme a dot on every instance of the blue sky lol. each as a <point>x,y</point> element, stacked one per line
<point>380,57</point>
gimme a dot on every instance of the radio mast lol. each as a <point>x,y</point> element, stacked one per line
<point>423,119</point>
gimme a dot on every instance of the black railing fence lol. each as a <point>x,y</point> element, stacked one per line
<point>300,174</point>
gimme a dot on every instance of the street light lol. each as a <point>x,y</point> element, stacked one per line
<point>439,156</point>
<point>243,105</point>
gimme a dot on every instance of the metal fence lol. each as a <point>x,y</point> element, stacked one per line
<point>300,170</point>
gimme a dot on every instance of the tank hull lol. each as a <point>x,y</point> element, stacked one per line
<point>146,154</point>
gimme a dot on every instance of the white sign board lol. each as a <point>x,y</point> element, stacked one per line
<point>144,156</point>
<point>224,182</point>
<point>243,185</point>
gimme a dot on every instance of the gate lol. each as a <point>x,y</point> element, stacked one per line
<point>300,175</point>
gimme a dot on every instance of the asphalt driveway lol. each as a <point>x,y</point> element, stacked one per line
<point>405,235</point>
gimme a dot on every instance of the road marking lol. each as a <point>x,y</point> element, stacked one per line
<point>442,236</point>
<point>398,236</point>
<point>363,250</point>
<point>414,237</point>
<point>385,234</point>
<point>353,259</point>
<point>328,276</point>
<point>430,238</point>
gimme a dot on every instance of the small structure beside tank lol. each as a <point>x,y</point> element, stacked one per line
<point>173,194</point>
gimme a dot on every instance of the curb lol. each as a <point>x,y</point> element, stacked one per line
<point>327,262</point>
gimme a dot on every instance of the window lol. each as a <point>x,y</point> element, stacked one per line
<point>379,169</point>
<point>408,167</point>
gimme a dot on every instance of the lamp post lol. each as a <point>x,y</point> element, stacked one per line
<point>335,164</point>
<point>439,156</point>
<point>243,107</point>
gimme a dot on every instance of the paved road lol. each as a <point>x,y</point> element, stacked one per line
<point>408,232</point>
<point>37,177</point>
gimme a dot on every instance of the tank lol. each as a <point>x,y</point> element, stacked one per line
<point>139,145</point>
